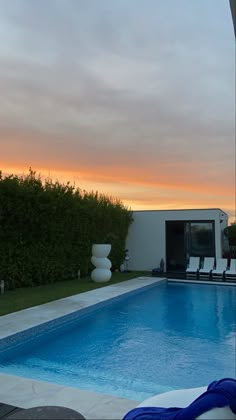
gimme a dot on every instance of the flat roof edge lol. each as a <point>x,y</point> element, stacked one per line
<point>165,210</point>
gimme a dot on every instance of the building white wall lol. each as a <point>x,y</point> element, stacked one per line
<point>221,222</point>
<point>146,241</point>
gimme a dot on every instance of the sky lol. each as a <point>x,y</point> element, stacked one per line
<point>134,99</point>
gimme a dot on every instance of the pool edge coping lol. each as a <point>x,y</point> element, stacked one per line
<point>70,305</point>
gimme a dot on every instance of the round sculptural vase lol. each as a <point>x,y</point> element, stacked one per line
<point>101,275</point>
<point>101,250</point>
<point>102,272</point>
<point>101,262</point>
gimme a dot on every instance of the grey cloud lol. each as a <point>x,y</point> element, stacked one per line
<point>135,74</point>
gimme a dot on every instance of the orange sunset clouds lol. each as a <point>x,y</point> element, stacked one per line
<point>134,99</point>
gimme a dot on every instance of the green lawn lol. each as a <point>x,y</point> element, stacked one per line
<point>15,300</point>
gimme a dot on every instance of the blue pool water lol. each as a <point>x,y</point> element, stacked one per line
<point>171,336</point>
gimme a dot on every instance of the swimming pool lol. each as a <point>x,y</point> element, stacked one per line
<point>170,336</point>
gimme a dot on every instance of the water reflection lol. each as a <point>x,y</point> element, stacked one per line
<point>172,336</point>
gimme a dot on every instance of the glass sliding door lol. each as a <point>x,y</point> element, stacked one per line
<point>175,258</point>
<point>199,240</point>
<point>188,238</point>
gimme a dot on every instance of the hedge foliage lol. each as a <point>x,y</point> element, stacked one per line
<point>47,229</point>
<point>230,233</point>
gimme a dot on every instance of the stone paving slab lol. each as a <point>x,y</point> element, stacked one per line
<point>27,393</point>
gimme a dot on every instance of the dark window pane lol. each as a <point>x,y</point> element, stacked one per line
<point>202,239</point>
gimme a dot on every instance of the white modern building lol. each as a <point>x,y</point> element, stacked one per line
<point>174,236</point>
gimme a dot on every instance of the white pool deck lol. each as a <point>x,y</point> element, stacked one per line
<point>28,393</point>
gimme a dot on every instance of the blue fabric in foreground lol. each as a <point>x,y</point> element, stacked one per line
<point>219,394</point>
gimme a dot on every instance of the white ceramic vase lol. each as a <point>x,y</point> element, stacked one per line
<point>102,272</point>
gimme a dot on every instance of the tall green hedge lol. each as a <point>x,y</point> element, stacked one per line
<point>47,229</point>
<point>230,233</point>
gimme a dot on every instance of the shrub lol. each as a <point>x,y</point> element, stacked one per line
<point>47,229</point>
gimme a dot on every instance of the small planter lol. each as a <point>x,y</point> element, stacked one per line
<point>102,272</point>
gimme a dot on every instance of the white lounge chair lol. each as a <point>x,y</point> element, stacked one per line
<point>183,398</point>
<point>230,273</point>
<point>193,267</point>
<point>208,265</point>
<point>221,266</point>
